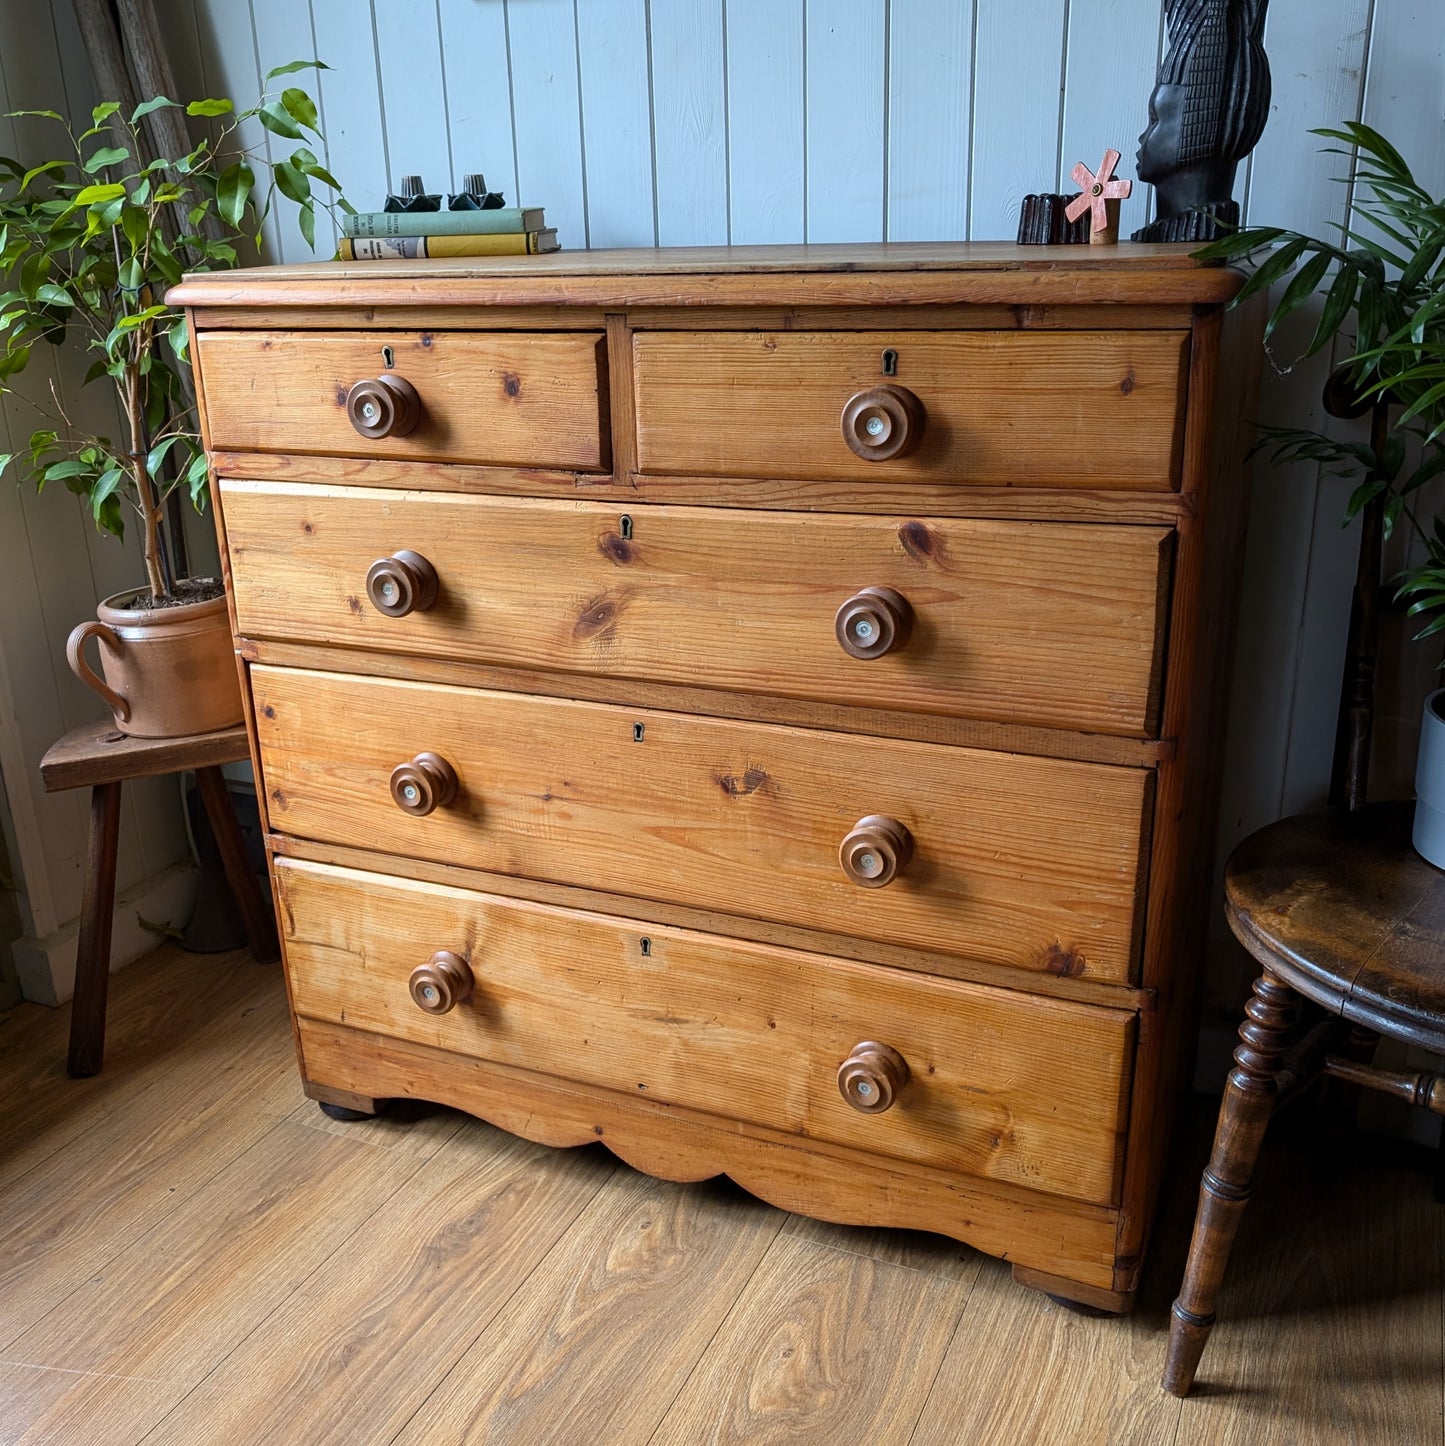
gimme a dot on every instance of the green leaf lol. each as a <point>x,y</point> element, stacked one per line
<point>52,295</point>
<point>300,107</point>
<point>233,189</point>
<point>41,170</point>
<point>104,111</point>
<point>6,458</point>
<point>1300,289</point>
<point>276,119</point>
<point>290,182</point>
<point>210,107</point>
<point>147,106</point>
<point>292,67</point>
<point>1337,307</point>
<point>59,471</point>
<point>321,174</point>
<point>106,156</point>
<point>307,221</point>
<point>157,454</point>
<point>99,194</point>
<point>43,114</point>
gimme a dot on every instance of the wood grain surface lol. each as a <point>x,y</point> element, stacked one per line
<point>721,1026</point>
<point>821,1347</point>
<point>1022,861</point>
<point>1087,409</point>
<point>579,1279</point>
<point>514,399</point>
<point>1051,1233</point>
<point>1029,623</point>
<point>568,1343</point>
<point>1110,505</point>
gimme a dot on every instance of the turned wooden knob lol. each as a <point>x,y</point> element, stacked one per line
<point>384,406</point>
<point>443,982</point>
<point>871,1077</point>
<point>875,851</point>
<point>424,785</point>
<point>883,422</point>
<point>400,584</point>
<point>873,622</point>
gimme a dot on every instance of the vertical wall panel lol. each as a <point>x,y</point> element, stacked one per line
<point>1113,61</point>
<point>765,120</point>
<point>689,119</point>
<point>546,110</point>
<point>283,34</point>
<point>617,122</point>
<point>228,58</point>
<point>930,93</point>
<point>1317,49</point>
<point>413,91</point>
<point>846,105</point>
<point>479,92</point>
<point>1017,74</point>
<point>351,113</point>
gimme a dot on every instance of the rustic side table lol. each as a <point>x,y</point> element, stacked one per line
<point>98,756</point>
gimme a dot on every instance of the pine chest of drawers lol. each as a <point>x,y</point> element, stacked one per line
<point>756,708</point>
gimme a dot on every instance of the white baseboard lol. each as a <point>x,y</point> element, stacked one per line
<point>46,967</point>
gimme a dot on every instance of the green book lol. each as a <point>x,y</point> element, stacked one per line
<point>443,223</point>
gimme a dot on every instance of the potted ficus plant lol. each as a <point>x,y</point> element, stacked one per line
<point>1384,298</point>
<point>89,244</point>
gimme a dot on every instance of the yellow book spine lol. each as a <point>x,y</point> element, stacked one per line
<point>407,248</point>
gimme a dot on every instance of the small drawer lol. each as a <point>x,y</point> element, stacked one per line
<point>512,399</point>
<point>739,1030</point>
<point>1023,861</point>
<point>1016,409</point>
<point>1057,624</point>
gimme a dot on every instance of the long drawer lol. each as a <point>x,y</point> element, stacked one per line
<point>518,399</point>
<point>1049,623</point>
<point>1025,861</point>
<point>736,1029</point>
<point>1024,409</point>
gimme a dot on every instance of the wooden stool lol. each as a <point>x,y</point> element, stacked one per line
<point>1340,909</point>
<point>102,758</point>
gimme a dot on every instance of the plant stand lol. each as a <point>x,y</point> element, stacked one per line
<point>97,756</point>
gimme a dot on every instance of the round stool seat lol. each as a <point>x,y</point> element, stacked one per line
<point>1343,910</point>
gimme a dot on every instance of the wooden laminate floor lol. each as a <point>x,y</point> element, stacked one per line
<point>193,1254</point>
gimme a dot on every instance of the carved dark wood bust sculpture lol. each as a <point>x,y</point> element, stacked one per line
<point>1206,114</point>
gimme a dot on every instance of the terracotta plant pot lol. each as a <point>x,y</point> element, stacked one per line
<point>168,671</point>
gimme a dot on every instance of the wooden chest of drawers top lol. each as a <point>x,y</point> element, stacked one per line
<point>786,650</point>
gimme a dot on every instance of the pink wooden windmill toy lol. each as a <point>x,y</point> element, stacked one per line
<point>1102,195</point>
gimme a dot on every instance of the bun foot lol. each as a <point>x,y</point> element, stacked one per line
<point>342,1112</point>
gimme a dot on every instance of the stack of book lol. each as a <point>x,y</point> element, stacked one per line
<point>402,235</point>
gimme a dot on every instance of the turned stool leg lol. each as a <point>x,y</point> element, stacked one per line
<point>92,951</point>
<point>1249,1098</point>
<point>256,915</point>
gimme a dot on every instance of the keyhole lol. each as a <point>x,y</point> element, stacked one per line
<point>388,358</point>
<point>646,948</point>
<point>626,528</point>
<point>638,729</point>
<point>890,363</point>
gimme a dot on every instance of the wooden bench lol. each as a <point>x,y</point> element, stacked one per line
<point>101,758</point>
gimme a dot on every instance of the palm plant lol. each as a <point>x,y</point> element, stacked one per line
<point>1384,295</point>
<point>89,244</point>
